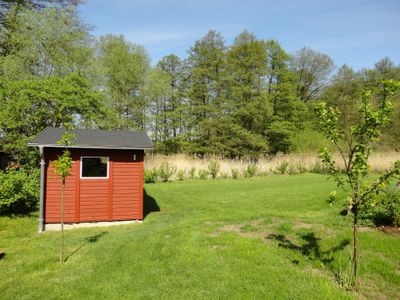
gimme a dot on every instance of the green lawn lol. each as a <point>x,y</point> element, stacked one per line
<point>268,238</point>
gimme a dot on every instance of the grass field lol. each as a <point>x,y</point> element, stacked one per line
<point>293,163</point>
<point>270,237</point>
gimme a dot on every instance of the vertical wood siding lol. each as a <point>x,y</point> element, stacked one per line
<point>120,197</point>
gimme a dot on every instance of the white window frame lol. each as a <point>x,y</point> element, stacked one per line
<point>95,156</point>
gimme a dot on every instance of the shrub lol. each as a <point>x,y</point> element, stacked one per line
<point>263,173</point>
<point>279,136</point>
<point>387,208</point>
<point>150,176</point>
<point>213,168</point>
<point>181,174</point>
<point>203,174</point>
<point>391,205</point>
<point>292,170</point>
<point>192,172</point>
<point>307,140</point>
<point>282,168</point>
<point>301,168</point>
<point>319,168</point>
<point>19,191</point>
<point>166,171</point>
<point>235,173</point>
<point>332,198</point>
<point>250,171</point>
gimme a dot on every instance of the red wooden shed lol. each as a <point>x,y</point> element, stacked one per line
<point>106,182</point>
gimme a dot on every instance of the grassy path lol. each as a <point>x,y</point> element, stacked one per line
<point>269,237</point>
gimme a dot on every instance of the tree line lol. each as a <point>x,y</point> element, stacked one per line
<point>250,98</point>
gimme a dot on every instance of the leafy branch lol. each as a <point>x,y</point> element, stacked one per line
<point>355,157</point>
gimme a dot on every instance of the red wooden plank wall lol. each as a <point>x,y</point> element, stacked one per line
<point>120,197</point>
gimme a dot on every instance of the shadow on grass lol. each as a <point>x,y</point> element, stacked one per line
<point>311,248</point>
<point>19,213</point>
<point>149,204</point>
<point>88,240</point>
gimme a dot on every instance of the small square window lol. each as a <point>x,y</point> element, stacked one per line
<point>94,167</point>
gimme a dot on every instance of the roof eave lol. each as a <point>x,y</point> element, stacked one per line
<point>88,147</point>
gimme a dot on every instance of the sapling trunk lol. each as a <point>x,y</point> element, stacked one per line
<point>62,222</point>
<point>355,153</point>
<point>62,167</point>
<point>355,248</point>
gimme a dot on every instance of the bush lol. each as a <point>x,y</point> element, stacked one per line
<point>181,174</point>
<point>235,173</point>
<point>213,168</point>
<point>319,168</point>
<point>19,191</point>
<point>292,170</point>
<point>250,171</point>
<point>332,199</point>
<point>192,172</point>
<point>391,206</point>
<point>203,174</point>
<point>166,171</point>
<point>279,136</point>
<point>150,176</point>
<point>309,140</point>
<point>387,209</point>
<point>301,169</point>
<point>282,168</point>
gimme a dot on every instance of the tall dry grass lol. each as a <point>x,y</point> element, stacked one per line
<point>290,164</point>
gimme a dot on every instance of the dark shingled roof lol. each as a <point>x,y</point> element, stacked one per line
<point>100,139</point>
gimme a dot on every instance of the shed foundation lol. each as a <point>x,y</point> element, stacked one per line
<point>57,226</point>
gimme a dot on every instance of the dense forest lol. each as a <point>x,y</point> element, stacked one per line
<point>250,98</point>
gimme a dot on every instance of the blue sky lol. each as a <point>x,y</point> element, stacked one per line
<point>353,32</point>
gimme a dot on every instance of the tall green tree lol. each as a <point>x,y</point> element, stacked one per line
<point>49,42</point>
<point>385,69</point>
<point>246,68</point>
<point>345,93</point>
<point>287,111</point>
<point>313,70</point>
<point>229,139</point>
<point>29,106</point>
<point>124,67</point>
<point>157,92</point>
<point>206,63</point>
<point>280,81</point>
<point>10,11</point>
<point>175,107</point>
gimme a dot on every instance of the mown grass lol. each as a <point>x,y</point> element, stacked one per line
<point>268,237</point>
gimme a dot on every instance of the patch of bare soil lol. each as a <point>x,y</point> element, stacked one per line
<point>301,225</point>
<point>253,229</point>
<point>390,229</point>
<point>386,229</point>
<point>237,228</point>
<point>259,228</point>
<point>369,290</point>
